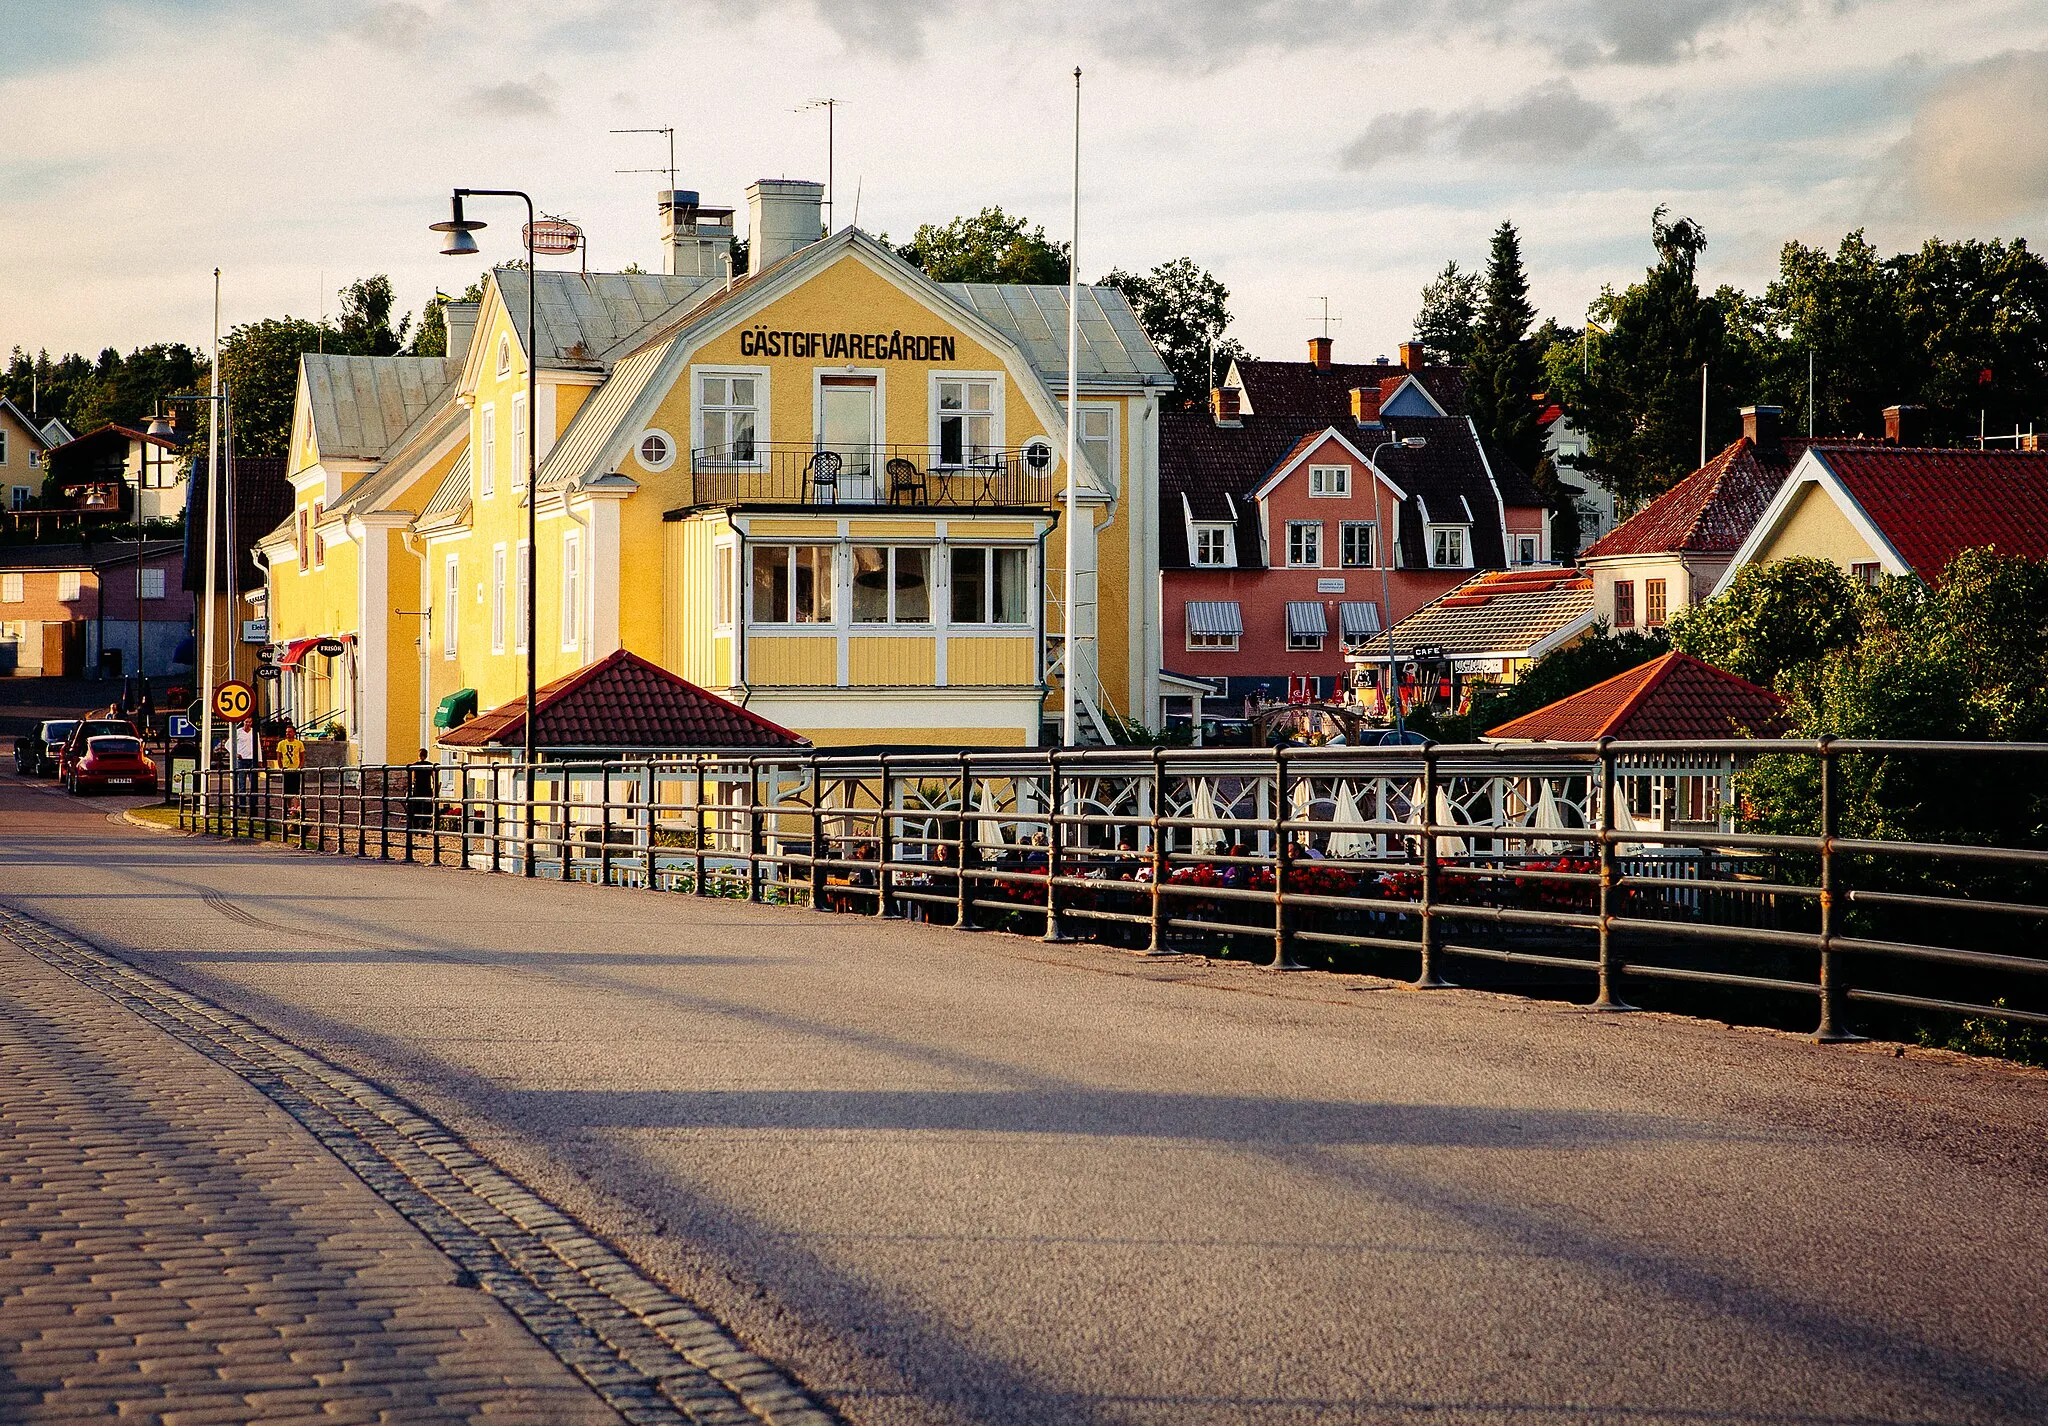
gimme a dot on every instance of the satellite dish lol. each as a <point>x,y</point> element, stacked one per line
<point>553,236</point>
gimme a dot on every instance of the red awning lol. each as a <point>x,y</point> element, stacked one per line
<point>294,651</point>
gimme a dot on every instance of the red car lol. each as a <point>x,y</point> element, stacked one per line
<point>112,762</point>
<point>83,732</point>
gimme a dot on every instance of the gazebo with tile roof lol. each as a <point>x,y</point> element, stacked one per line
<point>1675,696</point>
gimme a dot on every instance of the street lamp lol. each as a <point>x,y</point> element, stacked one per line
<point>1406,443</point>
<point>216,484</point>
<point>461,244</point>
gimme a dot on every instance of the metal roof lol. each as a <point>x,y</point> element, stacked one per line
<point>360,405</point>
<point>581,450</point>
<point>417,450</point>
<point>452,497</point>
<point>587,320</point>
<point>1114,349</point>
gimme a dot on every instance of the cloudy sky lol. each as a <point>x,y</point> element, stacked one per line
<point>1300,149</point>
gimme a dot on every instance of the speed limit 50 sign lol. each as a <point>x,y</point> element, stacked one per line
<point>233,701</point>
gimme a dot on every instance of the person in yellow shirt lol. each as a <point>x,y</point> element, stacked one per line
<point>291,759</point>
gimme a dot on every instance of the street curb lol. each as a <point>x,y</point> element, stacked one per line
<point>148,826</point>
<point>654,1358</point>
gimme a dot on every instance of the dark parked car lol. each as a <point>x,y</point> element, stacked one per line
<point>35,754</point>
<point>83,729</point>
<point>112,762</point>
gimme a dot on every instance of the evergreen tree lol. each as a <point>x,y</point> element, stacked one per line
<point>1505,376</point>
<point>1450,308</point>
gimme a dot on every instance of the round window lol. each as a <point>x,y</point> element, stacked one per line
<point>657,452</point>
<point>1038,455</point>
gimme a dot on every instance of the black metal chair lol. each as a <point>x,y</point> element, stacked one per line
<point>821,474</point>
<point>906,479</point>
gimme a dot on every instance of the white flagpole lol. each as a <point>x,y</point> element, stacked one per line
<point>1070,683</point>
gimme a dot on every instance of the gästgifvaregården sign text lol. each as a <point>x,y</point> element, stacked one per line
<point>845,346</point>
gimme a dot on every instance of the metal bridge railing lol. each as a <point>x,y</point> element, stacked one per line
<point>1416,856</point>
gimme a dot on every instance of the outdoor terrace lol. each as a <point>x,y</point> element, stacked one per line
<point>945,476</point>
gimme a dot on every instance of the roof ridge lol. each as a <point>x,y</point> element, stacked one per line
<point>1657,669</point>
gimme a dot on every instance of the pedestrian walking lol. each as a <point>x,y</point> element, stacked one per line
<point>145,711</point>
<point>419,801</point>
<point>291,763</point>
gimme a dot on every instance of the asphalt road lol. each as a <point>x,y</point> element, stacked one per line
<point>946,1177</point>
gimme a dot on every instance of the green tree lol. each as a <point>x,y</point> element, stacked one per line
<point>1185,311</point>
<point>430,337</point>
<point>363,326</point>
<point>1775,621</point>
<point>259,361</point>
<point>992,246</point>
<point>1639,404</point>
<point>87,394</point>
<point>1450,311</point>
<point>1976,320</point>
<point>1504,377</point>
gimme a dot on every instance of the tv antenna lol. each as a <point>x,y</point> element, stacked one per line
<point>831,108</point>
<point>670,135</point>
<point>1327,320</point>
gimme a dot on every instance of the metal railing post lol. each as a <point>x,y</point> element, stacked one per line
<point>1161,867</point>
<point>697,835</point>
<point>1283,938</point>
<point>604,829</point>
<point>1610,876</point>
<point>1831,1029</point>
<point>1055,842</point>
<point>964,914</point>
<point>755,842</point>
<point>817,867</point>
<point>1429,977</point>
<point>882,841</point>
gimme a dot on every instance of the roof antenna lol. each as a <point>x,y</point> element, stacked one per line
<point>670,135</point>
<point>856,201</point>
<point>1327,320</point>
<point>831,108</point>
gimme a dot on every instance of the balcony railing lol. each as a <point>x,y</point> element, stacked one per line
<point>761,473</point>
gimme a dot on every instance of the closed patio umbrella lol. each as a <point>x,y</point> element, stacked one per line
<point>988,834</point>
<point>1206,840</point>
<point>1446,846</point>
<point>1349,844</point>
<point>1547,818</point>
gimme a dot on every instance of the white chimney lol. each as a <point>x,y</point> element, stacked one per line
<point>783,214</point>
<point>459,318</point>
<point>695,241</point>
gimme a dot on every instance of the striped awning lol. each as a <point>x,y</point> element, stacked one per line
<point>1360,618</point>
<point>1215,617</point>
<point>1306,619</point>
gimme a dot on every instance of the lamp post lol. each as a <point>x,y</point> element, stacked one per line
<point>461,244</point>
<point>1386,560</point>
<point>215,483</point>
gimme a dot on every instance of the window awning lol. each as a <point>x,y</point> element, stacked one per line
<point>1215,617</point>
<point>295,651</point>
<point>1306,619</point>
<point>1360,618</point>
<point>456,709</point>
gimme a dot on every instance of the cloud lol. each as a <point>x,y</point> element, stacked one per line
<point>511,99</point>
<point>1978,148</point>
<point>889,27</point>
<point>1653,32</point>
<point>393,25</point>
<point>1551,122</point>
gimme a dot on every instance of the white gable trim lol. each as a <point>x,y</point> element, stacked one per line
<point>1812,470</point>
<point>1406,382</point>
<point>1330,433</point>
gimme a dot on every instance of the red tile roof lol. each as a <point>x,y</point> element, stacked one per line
<point>1934,504</point>
<point>623,701</point>
<point>1712,510</point>
<point>1675,696</point>
<point>1501,613</point>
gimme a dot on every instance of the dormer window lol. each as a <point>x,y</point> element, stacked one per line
<point>1329,480</point>
<point>1449,547</point>
<point>1215,547</point>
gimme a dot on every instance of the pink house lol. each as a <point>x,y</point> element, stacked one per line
<point>1287,536</point>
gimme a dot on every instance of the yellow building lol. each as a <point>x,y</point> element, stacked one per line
<point>830,491</point>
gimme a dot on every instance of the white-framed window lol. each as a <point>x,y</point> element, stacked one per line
<point>1096,436</point>
<point>965,424</point>
<point>1304,643</point>
<point>150,583</point>
<point>990,585</point>
<point>1304,544</point>
<point>504,355</point>
<point>1526,549</point>
<point>10,589</point>
<point>792,584</point>
<point>729,415</point>
<point>3,445</point>
<point>520,575</point>
<point>1211,643</point>
<point>655,450</point>
<point>497,599</point>
<point>1215,547</point>
<point>70,584</point>
<point>572,590</point>
<point>20,497</point>
<point>1329,480</point>
<point>1355,544</point>
<point>892,584</point>
<point>518,472</point>
<point>1448,547</point>
<point>721,586</point>
<point>302,539</point>
<point>450,618</point>
<point>487,455</point>
<point>35,458</point>
<point>319,540</point>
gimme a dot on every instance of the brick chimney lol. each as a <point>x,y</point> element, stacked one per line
<point>1905,425</point>
<point>1223,406</point>
<point>1413,354</point>
<point>1365,405</point>
<point>1762,426</point>
<point>1319,352</point>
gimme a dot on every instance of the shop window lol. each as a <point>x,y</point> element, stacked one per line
<point>792,584</point>
<point>1215,547</point>
<point>1653,603</point>
<point>892,584</point>
<point>990,586</point>
<point>1624,604</point>
<point>1447,547</point>
<point>966,422</point>
<point>1305,544</point>
<point>1329,480</point>
<point>726,416</point>
<point>1357,543</point>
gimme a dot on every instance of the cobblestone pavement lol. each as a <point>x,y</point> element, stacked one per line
<point>949,1178</point>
